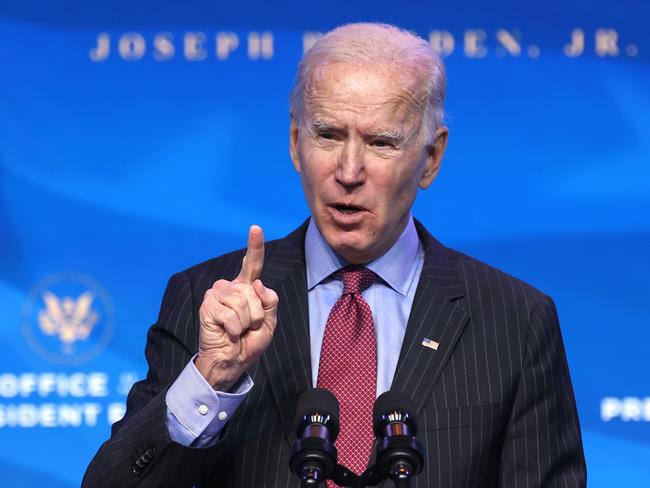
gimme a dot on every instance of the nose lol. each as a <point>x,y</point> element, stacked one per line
<point>351,170</point>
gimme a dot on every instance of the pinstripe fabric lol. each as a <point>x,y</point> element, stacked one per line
<point>495,402</point>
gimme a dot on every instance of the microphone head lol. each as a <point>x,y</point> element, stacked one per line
<point>393,406</point>
<point>317,405</point>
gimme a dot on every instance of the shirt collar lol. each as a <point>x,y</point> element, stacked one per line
<point>395,266</point>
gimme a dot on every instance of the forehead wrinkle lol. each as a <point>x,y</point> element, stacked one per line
<point>343,103</point>
<point>389,113</point>
<point>321,92</point>
<point>409,101</point>
<point>408,90</point>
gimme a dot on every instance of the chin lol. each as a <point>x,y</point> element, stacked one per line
<point>355,245</point>
<point>353,250</point>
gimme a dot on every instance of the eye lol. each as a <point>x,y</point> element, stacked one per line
<point>382,143</point>
<point>327,135</point>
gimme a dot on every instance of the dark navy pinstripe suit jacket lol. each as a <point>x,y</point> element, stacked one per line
<point>495,402</point>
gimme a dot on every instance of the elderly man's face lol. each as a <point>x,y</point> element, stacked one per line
<point>361,157</point>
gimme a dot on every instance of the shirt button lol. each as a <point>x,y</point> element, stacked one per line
<point>222,415</point>
<point>203,409</point>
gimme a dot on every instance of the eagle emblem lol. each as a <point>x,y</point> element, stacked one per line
<point>70,319</point>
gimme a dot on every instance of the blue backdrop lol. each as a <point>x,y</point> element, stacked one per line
<point>137,139</point>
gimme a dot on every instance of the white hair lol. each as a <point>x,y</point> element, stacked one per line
<point>374,44</point>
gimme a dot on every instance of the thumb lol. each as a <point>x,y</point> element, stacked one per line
<point>268,297</point>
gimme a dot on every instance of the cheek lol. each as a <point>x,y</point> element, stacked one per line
<point>313,179</point>
<point>396,186</point>
<point>316,167</point>
<point>395,194</point>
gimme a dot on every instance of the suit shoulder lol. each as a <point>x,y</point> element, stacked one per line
<point>480,281</point>
<point>498,301</point>
<point>487,281</point>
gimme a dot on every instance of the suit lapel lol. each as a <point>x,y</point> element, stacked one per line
<point>287,359</point>
<point>435,315</point>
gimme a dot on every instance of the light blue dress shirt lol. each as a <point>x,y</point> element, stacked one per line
<point>196,413</point>
<point>390,300</point>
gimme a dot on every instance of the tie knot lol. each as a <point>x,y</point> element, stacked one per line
<point>356,279</point>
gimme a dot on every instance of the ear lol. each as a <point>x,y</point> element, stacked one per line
<point>434,157</point>
<point>293,143</point>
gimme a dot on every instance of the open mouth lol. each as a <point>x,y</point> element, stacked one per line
<point>347,209</point>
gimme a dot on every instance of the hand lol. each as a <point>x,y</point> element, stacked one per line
<point>237,319</point>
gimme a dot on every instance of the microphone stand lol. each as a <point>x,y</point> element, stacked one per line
<point>342,476</point>
<point>372,476</point>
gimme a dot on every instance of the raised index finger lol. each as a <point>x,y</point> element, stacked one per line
<point>251,266</point>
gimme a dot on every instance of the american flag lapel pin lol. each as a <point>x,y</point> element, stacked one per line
<point>430,343</point>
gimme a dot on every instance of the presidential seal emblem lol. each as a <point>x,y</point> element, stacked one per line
<point>68,318</point>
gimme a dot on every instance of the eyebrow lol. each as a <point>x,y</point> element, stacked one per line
<point>394,135</point>
<point>320,124</point>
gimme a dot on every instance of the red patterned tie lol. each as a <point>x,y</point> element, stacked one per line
<point>348,367</point>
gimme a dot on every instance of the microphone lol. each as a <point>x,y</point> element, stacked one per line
<point>399,453</point>
<point>313,456</point>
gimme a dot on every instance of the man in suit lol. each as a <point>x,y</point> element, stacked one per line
<point>360,299</point>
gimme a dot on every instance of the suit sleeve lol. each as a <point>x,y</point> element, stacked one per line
<point>140,451</point>
<point>543,445</point>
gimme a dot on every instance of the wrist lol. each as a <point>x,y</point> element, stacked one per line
<point>215,375</point>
